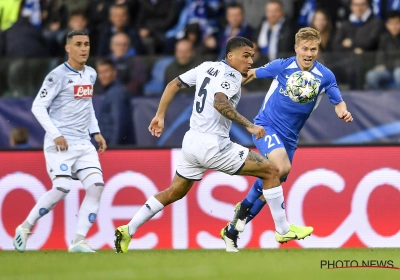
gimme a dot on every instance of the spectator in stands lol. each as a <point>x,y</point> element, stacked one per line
<point>361,32</point>
<point>19,138</point>
<point>115,114</point>
<point>131,71</point>
<point>236,26</point>
<point>184,61</point>
<point>77,21</point>
<point>25,45</point>
<point>56,13</point>
<point>276,34</point>
<point>119,22</point>
<point>9,11</point>
<point>154,18</point>
<point>386,73</point>
<point>358,34</point>
<point>201,12</point>
<point>255,14</point>
<point>323,24</point>
<point>304,10</point>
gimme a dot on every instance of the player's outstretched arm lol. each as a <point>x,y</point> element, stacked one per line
<point>251,75</point>
<point>157,124</point>
<point>225,108</point>
<point>342,113</point>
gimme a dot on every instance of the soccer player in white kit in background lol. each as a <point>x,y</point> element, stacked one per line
<point>64,108</point>
<point>207,144</point>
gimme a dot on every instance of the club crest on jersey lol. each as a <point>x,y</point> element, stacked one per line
<point>84,91</point>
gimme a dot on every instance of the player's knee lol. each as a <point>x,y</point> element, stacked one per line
<point>62,184</point>
<point>270,171</point>
<point>94,185</point>
<point>284,171</point>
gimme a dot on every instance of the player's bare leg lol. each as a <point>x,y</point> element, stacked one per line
<point>178,189</point>
<point>245,212</point>
<point>258,166</point>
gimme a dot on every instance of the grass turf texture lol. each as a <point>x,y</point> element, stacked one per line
<point>194,264</point>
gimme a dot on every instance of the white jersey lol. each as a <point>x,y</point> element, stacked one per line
<point>64,106</point>
<point>210,78</point>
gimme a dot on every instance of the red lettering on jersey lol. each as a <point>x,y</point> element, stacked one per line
<point>84,91</point>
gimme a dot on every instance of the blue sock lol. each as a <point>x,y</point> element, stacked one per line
<point>232,230</point>
<point>255,192</point>
<point>258,205</point>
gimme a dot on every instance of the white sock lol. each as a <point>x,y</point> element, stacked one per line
<point>88,211</point>
<point>275,201</point>
<point>145,213</point>
<point>47,202</point>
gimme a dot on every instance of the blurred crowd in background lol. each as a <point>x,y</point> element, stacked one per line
<point>151,42</point>
<point>138,46</point>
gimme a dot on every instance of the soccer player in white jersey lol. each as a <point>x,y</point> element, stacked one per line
<point>283,119</point>
<point>64,108</point>
<point>207,144</point>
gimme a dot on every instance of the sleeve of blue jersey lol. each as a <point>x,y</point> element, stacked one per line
<point>332,89</point>
<point>269,70</point>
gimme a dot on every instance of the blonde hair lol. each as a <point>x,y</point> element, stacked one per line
<point>308,34</point>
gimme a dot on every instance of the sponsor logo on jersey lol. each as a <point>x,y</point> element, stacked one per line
<point>70,81</point>
<point>84,91</point>
<point>91,79</point>
<point>241,153</point>
<point>50,79</point>
<point>283,91</point>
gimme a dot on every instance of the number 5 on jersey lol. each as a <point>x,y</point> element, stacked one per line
<point>203,95</point>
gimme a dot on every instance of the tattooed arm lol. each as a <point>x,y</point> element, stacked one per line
<point>225,108</point>
<point>157,124</point>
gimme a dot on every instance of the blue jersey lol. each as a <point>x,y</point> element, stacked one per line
<point>278,110</point>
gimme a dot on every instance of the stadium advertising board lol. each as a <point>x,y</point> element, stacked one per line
<point>350,195</point>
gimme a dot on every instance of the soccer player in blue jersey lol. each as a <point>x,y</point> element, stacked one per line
<point>283,119</point>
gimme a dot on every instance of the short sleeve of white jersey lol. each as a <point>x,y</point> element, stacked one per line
<point>229,84</point>
<point>189,77</point>
<point>49,90</point>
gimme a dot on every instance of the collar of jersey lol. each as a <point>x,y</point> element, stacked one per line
<point>72,69</point>
<point>224,61</point>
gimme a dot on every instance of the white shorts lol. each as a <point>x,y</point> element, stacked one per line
<point>68,163</point>
<point>201,152</point>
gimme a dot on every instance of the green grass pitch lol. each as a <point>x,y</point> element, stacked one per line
<point>195,264</point>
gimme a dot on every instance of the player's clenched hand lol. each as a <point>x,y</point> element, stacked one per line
<point>156,126</point>
<point>257,130</point>
<point>346,116</point>
<point>61,144</point>
<point>101,142</point>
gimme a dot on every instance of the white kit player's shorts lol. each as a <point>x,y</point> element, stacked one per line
<point>68,163</point>
<point>201,152</point>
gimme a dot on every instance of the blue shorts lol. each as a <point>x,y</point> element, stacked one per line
<point>271,141</point>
